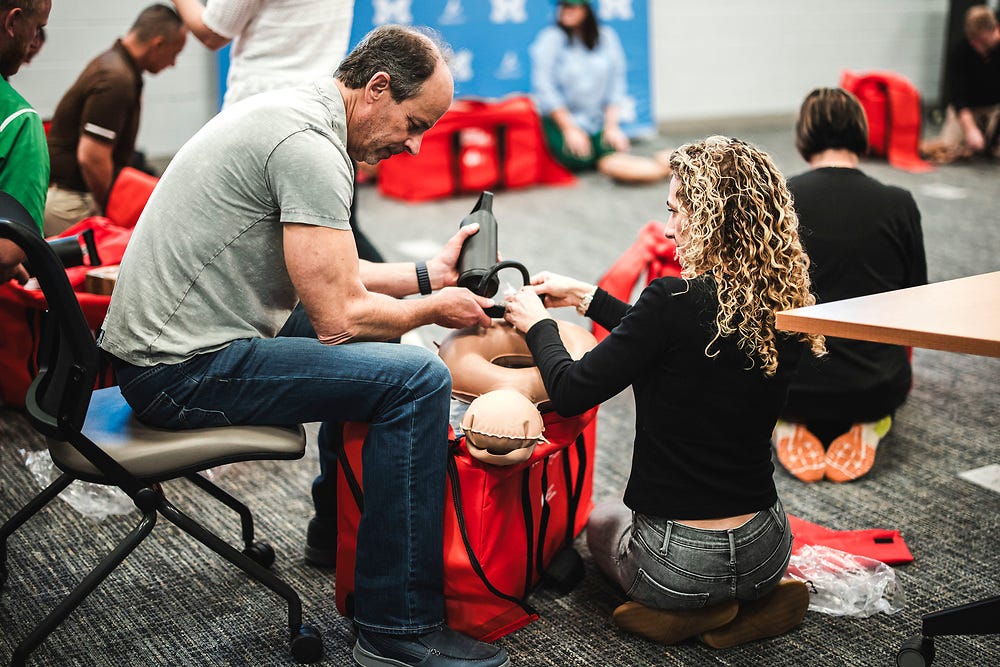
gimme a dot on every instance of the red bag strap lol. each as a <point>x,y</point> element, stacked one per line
<point>456,496</point>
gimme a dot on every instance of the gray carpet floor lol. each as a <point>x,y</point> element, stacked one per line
<point>174,603</point>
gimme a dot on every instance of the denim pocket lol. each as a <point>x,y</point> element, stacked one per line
<point>164,412</point>
<point>775,566</point>
<point>653,594</point>
<point>765,586</point>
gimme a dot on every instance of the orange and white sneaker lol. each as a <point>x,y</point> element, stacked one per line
<point>799,451</point>
<point>852,455</point>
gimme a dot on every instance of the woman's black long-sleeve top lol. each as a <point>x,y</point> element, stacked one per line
<point>703,423</point>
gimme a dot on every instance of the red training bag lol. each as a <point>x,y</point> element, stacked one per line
<point>476,145</point>
<point>503,526</point>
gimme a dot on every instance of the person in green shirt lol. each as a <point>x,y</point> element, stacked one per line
<point>24,157</point>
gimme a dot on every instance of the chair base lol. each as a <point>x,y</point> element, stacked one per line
<point>305,644</point>
<point>975,618</point>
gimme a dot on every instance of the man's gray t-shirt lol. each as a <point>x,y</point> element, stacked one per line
<point>205,265</point>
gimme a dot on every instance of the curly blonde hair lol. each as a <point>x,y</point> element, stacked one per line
<point>741,227</point>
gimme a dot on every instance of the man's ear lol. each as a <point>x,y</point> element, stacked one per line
<point>8,19</point>
<point>377,87</point>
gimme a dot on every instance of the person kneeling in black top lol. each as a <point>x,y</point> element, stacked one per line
<point>701,543</point>
<point>863,237</point>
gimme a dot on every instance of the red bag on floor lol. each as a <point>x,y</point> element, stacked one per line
<point>475,146</point>
<point>502,525</point>
<point>21,309</point>
<point>892,106</point>
<point>129,195</point>
<point>652,254</point>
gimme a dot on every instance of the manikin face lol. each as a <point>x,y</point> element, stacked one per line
<point>387,128</point>
<point>677,222</point>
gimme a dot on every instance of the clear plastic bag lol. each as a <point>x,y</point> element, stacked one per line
<point>845,584</point>
<point>96,501</point>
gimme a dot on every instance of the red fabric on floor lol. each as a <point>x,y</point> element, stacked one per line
<point>881,544</point>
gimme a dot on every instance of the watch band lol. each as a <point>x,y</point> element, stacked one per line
<point>423,279</point>
<point>584,304</point>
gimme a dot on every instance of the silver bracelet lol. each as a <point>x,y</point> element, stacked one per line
<point>584,304</point>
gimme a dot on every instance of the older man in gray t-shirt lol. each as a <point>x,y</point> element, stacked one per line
<point>250,219</point>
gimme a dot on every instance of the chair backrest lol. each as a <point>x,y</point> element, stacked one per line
<point>68,357</point>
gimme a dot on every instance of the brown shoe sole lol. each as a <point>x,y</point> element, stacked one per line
<point>774,614</point>
<point>669,626</point>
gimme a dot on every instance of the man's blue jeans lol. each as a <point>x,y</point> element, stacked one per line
<point>402,391</point>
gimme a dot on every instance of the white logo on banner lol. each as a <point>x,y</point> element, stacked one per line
<point>508,11</point>
<point>616,9</point>
<point>461,65</point>
<point>453,13</point>
<point>510,66</point>
<point>626,110</point>
<point>392,11</point>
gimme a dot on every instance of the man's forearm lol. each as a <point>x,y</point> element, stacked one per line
<point>375,317</point>
<point>191,12</point>
<point>967,121</point>
<point>97,177</point>
<point>396,279</point>
<point>399,279</point>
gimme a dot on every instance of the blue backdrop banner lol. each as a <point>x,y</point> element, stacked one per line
<point>491,39</point>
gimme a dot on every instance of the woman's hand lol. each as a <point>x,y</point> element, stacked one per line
<point>616,139</point>
<point>559,291</point>
<point>577,142</point>
<point>525,309</point>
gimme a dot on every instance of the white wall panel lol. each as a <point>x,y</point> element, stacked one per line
<point>711,58</point>
<point>176,102</point>
<point>721,58</point>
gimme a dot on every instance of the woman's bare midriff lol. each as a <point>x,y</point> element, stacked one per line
<point>719,524</point>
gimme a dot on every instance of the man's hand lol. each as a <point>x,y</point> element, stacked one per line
<point>17,272</point>
<point>11,257</point>
<point>442,269</point>
<point>525,309</point>
<point>458,308</point>
<point>974,139</point>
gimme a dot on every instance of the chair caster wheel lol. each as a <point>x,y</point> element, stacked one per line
<point>260,553</point>
<point>306,645</point>
<point>917,651</point>
<point>565,571</point>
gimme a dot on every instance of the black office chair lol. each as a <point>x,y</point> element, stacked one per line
<point>93,436</point>
<point>975,618</point>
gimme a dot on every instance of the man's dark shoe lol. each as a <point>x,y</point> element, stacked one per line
<point>440,648</point>
<point>321,542</point>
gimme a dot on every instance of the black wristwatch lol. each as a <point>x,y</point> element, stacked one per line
<point>423,279</point>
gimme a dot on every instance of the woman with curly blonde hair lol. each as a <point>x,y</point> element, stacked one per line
<point>701,542</point>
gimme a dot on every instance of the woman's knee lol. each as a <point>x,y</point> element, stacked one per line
<point>608,522</point>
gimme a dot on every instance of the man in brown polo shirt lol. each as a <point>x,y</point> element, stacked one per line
<point>95,124</point>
